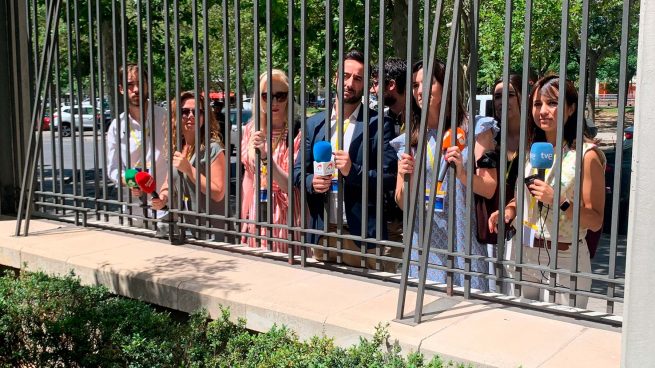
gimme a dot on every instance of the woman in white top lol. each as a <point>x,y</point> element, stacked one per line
<point>539,206</point>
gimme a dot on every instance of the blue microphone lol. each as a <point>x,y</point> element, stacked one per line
<point>541,157</point>
<point>323,164</point>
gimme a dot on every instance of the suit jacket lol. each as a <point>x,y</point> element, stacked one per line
<point>314,132</point>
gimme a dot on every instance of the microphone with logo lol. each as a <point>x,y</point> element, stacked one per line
<point>541,158</point>
<point>130,175</point>
<point>460,141</point>
<point>147,184</point>
<point>323,164</point>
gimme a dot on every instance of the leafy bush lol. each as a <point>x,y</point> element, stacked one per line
<point>51,322</point>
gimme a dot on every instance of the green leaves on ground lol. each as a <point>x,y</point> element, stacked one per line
<point>51,322</point>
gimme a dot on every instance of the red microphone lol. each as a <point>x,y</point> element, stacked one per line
<point>147,184</point>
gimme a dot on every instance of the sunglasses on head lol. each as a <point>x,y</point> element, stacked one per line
<point>186,112</point>
<point>279,96</point>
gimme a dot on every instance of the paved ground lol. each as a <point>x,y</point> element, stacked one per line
<point>308,300</point>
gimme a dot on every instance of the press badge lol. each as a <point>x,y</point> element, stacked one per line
<point>529,233</point>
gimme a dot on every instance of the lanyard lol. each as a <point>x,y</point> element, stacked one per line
<point>346,123</point>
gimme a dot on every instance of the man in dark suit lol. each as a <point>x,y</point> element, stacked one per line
<point>349,160</point>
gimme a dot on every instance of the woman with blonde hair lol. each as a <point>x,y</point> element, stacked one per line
<point>188,165</point>
<point>281,153</point>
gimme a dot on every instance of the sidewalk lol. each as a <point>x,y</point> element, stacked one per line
<point>308,300</point>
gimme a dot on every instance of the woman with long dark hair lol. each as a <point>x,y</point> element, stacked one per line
<point>186,164</point>
<point>540,209</point>
<point>484,182</point>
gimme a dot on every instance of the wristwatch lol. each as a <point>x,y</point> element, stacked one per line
<point>565,205</point>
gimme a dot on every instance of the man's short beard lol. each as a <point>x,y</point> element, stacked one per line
<point>354,99</point>
<point>140,100</point>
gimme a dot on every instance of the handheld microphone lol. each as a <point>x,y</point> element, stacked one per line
<point>541,158</point>
<point>147,184</point>
<point>460,141</point>
<point>130,175</point>
<point>323,164</point>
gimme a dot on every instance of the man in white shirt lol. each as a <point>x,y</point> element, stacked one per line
<point>125,148</point>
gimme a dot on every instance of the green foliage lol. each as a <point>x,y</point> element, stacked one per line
<point>51,322</point>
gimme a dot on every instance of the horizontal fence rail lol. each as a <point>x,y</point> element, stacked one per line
<point>325,133</point>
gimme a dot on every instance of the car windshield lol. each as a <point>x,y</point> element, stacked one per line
<point>245,116</point>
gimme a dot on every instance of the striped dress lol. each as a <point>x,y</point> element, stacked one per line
<point>279,198</point>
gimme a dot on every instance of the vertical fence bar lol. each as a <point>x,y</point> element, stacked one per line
<point>206,125</point>
<point>257,116</point>
<point>328,110</point>
<point>618,159</point>
<point>115,109</point>
<point>226,96</point>
<point>339,126</point>
<point>520,189</point>
<point>290,128</point>
<point>470,169</point>
<point>71,101</point>
<point>379,215</point>
<point>178,117</point>
<point>559,149</point>
<point>80,107</point>
<point>101,93</point>
<point>168,123</point>
<point>501,172</point>
<point>98,125</point>
<point>582,98</point>
<point>407,233</point>
<point>237,47</point>
<point>152,128</point>
<point>269,125</point>
<point>142,104</point>
<point>126,106</point>
<point>366,135</point>
<point>303,129</point>
<point>196,133</point>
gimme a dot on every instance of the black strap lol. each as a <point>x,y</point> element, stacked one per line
<point>489,160</point>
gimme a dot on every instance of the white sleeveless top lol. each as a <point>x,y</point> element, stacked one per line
<point>544,221</point>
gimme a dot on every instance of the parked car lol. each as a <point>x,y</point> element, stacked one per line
<point>69,116</point>
<point>45,123</point>
<point>246,115</point>
<point>624,188</point>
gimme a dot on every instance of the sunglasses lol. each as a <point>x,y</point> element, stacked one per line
<point>186,112</point>
<point>279,96</point>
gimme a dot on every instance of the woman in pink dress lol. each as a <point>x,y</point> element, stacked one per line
<point>281,155</point>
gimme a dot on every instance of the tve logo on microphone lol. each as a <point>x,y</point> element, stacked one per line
<point>542,155</point>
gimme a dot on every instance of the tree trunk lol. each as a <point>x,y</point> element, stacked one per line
<point>399,10</point>
<point>108,63</point>
<point>592,70</point>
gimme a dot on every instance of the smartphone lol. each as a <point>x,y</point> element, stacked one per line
<point>510,232</point>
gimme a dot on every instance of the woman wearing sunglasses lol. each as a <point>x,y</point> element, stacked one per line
<point>281,153</point>
<point>188,165</point>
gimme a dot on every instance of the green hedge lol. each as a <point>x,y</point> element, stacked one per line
<point>53,322</point>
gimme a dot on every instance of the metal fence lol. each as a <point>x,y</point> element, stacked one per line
<point>217,48</point>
